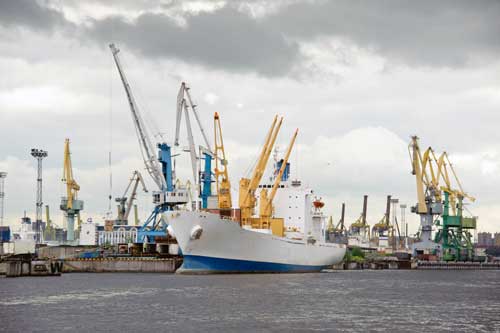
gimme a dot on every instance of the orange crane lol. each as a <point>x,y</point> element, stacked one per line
<point>247,200</point>
<point>266,202</point>
<point>221,175</point>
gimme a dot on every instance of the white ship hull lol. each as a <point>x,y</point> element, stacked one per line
<point>210,244</point>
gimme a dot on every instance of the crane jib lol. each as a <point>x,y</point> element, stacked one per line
<point>147,149</point>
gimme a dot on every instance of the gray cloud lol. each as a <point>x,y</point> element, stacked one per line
<point>224,39</point>
<point>415,33</point>
<point>426,33</point>
<point>30,14</point>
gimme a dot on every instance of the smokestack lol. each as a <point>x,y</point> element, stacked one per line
<point>388,209</point>
<point>342,217</point>
<point>365,204</point>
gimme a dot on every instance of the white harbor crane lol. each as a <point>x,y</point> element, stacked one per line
<point>158,166</point>
<point>151,162</point>
<point>184,104</point>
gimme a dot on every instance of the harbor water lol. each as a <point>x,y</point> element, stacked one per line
<point>349,301</point>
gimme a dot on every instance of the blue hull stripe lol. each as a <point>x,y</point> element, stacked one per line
<point>202,264</point>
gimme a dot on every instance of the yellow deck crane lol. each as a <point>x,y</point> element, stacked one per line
<point>221,175</point>
<point>247,200</point>
<point>266,201</point>
<point>70,203</point>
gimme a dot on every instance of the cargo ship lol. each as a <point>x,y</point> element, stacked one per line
<point>211,243</point>
<point>287,235</point>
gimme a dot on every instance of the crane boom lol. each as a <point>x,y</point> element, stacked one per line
<point>192,149</point>
<point>193,107</point>
<point>147,149</point>
<point>72,187</point>
<point>183,103</point>
<point>418,172</point>
<point>264,157</point>
<point>282,169</point>
<point>267,200</point>
<point>248,186</point>
<point>179,109</point>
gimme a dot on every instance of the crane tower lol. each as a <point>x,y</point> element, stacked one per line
<point>39,154</point>
<point>70,204</point>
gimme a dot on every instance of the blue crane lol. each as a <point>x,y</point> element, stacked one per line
<point>159,167</point>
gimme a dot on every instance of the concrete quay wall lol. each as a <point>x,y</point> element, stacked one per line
<point>108,265</point>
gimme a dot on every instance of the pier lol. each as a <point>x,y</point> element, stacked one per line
<point>124,265</point>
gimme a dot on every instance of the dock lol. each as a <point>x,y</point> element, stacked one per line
<point>25,266</point>
<point>123,265</point>
<point>458,265</point>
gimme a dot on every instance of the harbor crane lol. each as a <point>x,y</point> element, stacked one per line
<point>147,149</point>
<point>455,232</point>
<point>453,237</point>
<point>184,104</point>
<point>266,201</point>
<point>428,194</point>
<point>384,228</point>
<point>158,166</point>
<point>360,227</point>
<point>223,185</point>
<point>125,202</point>
<point>70,203</point>
<point>337,232</point>
<point>247,200</point>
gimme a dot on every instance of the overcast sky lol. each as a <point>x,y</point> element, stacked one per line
<point>357,78</point>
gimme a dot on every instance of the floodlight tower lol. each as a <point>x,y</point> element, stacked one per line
<point>3,175</point>
<point>39,154</point>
